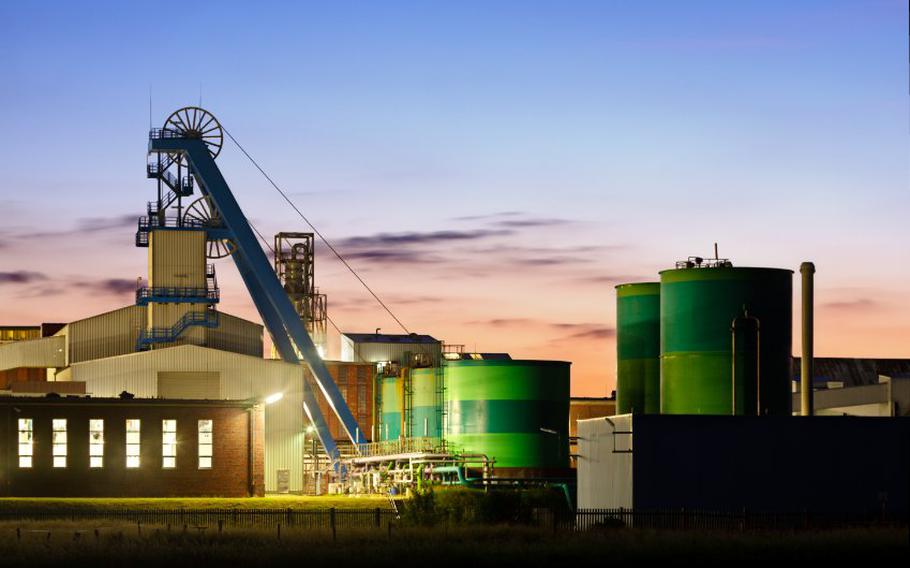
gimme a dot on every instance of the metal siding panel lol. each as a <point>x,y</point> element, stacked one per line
<point>105,335</point>
<point>201,385</point>
<point>235,334</point>
<point>44,352</point>
<point>177,258</point>
<point>242,377</point>
<point>604,463</point>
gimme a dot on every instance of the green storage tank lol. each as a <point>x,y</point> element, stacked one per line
<point>698,307</point>
<point>426,413</point>
<point>638,348</point>
<point>514,411</point>
<point>392,410</point>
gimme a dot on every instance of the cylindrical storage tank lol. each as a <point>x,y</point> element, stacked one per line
<point>638,348</point>
<point>513,411</point>
<point>698,307</point>
<point>392,411</point>
<point>425,402</point>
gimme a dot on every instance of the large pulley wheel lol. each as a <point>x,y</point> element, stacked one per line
<point>195,122</point>
<point>201,213</point>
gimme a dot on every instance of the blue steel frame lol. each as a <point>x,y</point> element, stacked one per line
<point>274,306</point>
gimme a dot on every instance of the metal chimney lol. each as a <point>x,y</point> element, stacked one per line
<point>807,362</point>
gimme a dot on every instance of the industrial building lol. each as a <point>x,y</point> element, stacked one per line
<point>706,398</point>
<point>85,447</point>
<point>583,408</point>
<point>396,405</point>
<point>702,415</point>
<point>775,464</point>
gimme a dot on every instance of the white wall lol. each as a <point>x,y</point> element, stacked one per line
<point>605,463</point>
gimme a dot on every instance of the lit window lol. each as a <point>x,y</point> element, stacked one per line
<point>132,442</point>
<point>168,444</point>
<point>96,443</point>
<point>26,445</point>
<point>205,444</point>
<point>59,442</point>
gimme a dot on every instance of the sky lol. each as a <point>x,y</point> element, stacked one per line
<point>492,169</point>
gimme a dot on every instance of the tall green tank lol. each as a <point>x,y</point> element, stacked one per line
<point>392,410</point>
<point>514,411</point>
<point>698,307</point>
<point>425,403</point>
<point>638,348</point>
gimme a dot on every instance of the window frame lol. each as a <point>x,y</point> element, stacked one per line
<point>95,461</point>
<point>137,444</point>
<point>26,460</point>
<point>168,460</point>
<point>59,449</point>
<point>201,457</point>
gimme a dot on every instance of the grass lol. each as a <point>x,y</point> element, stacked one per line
<point>122,545</point>
<point>198,503</point>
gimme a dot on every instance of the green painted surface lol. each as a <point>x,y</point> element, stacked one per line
<point>392,408</point>
<point>638,348</point>
<point>498,408</point>
<point>698,307</point>
<point>425,414</point>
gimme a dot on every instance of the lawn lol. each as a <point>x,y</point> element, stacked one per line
<point>296,502</point>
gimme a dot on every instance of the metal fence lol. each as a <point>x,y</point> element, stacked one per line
<point>549,519</point>
<point>743,520</point>
<point>217,518</point>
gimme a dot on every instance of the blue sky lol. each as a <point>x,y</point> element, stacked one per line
<point>616,137</point>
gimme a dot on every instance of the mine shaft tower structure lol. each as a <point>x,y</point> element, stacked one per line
<point>182,158</point>
<point>294,255</point>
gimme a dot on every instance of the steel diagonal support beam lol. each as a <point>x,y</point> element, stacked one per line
<point>260,271</point>
<point>286,350</point>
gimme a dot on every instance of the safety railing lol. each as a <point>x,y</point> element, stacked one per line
<point>147,337</point>
<point>403,446</point>
<point>164,294</point>
<point>164,133</point>
<point>154,222</point>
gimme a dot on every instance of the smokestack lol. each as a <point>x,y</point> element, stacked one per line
<point>807,362</point>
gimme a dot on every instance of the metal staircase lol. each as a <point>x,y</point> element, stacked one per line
<point>158,169</point>
<point>155,335</point>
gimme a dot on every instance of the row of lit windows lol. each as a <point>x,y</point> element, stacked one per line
<point>96,443</point>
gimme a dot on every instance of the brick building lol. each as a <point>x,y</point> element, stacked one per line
<point>355,381</point>
<point>90,447</point>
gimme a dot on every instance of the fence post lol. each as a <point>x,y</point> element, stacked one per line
<point>332,521</point>
<point>288,516</point>
<point>220,525</point>
<point>378,518</point>
<point>279,531</point>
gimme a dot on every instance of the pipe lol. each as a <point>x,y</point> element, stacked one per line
<point>807,362</point>
<point>745,317</point>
